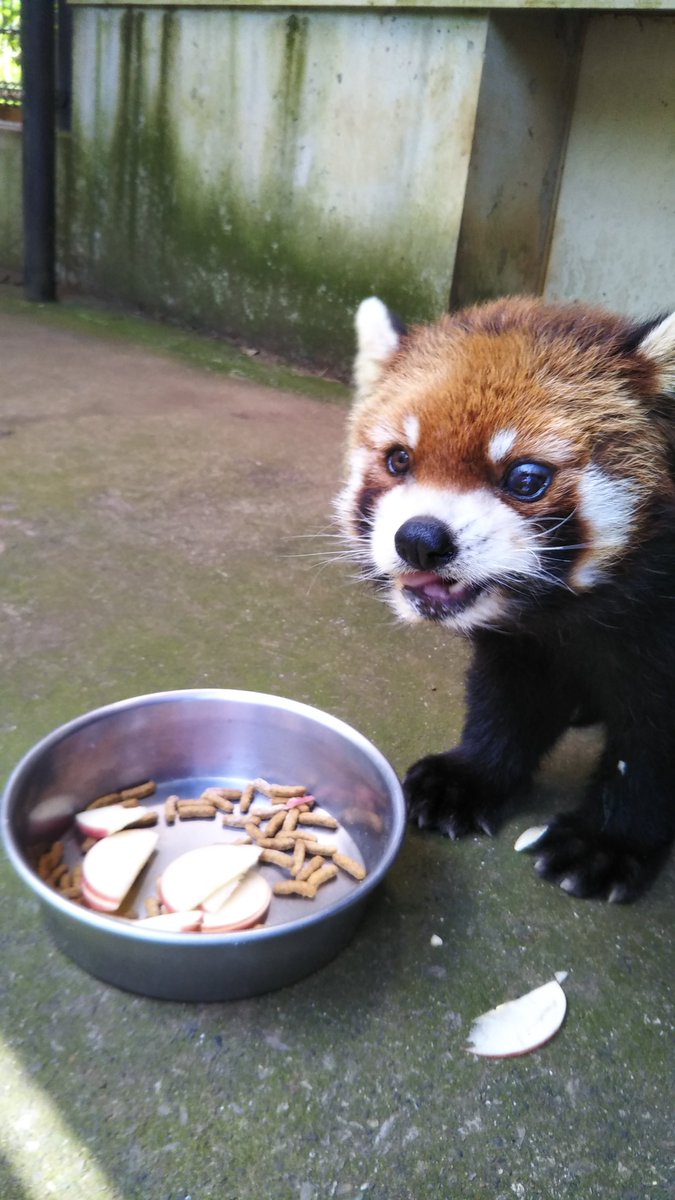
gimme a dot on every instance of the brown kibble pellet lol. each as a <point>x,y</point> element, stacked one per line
<point>147,817</point>
<point>318,818</point>
<point>322,848</point>
<point>290,820</point>
<point>50,860</point>
<point>246,798</point>
<point>299,855</point>
<point>277,858</point>
<point>226,793</point>
<point>221,803</point>
<point>171,809</point>
<point>88,843</point>
<point>194,810</point>
<point>275,823</point>
<point>323,875</point>
<point>293,887</point>
<point>254,831</point>
<point>140,791</point>
<point>130,802</point>
<point>364,818</point>
<point>56,874</point>
<point>350,865</point>
<point>276,843</point>
<point>240,820</point>
<point>312,865</point>
<point>261,785</point>
<point>103,801</point>
<point>279,791</point>
<point>71,893</point>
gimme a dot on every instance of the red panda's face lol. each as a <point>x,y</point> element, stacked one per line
<point>498,458</point>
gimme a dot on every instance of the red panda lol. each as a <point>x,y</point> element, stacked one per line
<point>511,476</point>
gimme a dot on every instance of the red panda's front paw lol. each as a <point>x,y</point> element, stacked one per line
<point>591,864</point>
<point>444,792</point>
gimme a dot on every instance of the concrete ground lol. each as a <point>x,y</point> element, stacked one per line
<point>157,519</point>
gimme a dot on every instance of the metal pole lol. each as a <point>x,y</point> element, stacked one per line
<point>39,149</point>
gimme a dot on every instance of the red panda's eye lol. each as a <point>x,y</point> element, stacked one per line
<point>528,480</point>
<point>398,460</point>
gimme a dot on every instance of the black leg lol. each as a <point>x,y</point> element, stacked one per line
<point>614,845</point>
<point>517,708</point>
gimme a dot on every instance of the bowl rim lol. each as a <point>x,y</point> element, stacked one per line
<point>118,927</point>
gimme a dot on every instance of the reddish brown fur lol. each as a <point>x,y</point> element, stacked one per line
<point>559,372</point>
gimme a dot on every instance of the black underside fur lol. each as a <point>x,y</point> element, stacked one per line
<point>609,654</point>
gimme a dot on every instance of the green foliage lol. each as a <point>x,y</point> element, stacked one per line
<point>10,51</point>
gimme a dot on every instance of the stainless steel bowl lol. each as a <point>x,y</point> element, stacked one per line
<point>185,741</point>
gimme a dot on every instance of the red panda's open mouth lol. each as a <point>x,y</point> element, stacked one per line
<point>436,598</point>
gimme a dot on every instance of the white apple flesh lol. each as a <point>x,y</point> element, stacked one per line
<point>102,822</point>
<point>247,906</point>
<point>193,877</point>
<point>519,1025</point>
<point>112,865</point>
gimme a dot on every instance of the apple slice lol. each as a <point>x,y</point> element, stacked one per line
<point>519,1025</point>
<point>247,905</point>
<point>173,922</point>
<point>101,822</point>
<point>217,899</point>
<point>113,863</point>
<point>194,876</point>
<point>100,903</point>
<point>529,838</point>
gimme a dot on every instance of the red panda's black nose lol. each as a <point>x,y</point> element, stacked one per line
<point>425,543</point>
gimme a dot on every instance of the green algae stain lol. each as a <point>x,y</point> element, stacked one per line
<point>149,229</point>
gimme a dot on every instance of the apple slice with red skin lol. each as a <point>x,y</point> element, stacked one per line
<point>247,906</point>
<point>194,876</point>
<point>102,822</point>
<point>112,866</point>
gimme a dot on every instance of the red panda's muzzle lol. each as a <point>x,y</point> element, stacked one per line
<point>435,598</point>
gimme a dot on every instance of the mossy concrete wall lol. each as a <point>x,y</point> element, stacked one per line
<point>258,172</point>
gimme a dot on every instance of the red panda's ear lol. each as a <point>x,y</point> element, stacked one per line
<point>378,334</point>
<point>659,347</point>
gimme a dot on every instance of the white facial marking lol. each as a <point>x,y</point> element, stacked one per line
<point>493,541</point>
<point>607,506</point>
<point>384,436</point>
<point>502,444</point>
<point>411,427</point>
<point>346,499</point>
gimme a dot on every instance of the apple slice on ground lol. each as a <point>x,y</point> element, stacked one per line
<point>194,876</point>
<point>247,905</point>
<point>173,922</point>
<point>101,822</point>
<point>519,1025</point>
<point>113,864</point>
